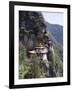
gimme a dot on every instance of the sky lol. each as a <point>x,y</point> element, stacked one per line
<point>53,17</point>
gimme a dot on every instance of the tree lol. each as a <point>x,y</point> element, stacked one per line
<point>23,61</point>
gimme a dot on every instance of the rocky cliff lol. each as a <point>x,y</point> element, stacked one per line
<point>32,28</point>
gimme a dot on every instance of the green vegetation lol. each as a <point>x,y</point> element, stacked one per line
<point>29,68</point>
<point>23,61</point>
<point>34,67</point>
<point>34,70</point>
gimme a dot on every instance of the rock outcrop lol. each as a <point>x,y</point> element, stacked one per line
<point>32,28</point>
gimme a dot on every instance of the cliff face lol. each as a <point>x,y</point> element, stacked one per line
<point>31,20</point>
<point>32,28</point>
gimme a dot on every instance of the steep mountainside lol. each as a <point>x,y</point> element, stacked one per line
<point>56,31</point>
<point>32,26</point>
